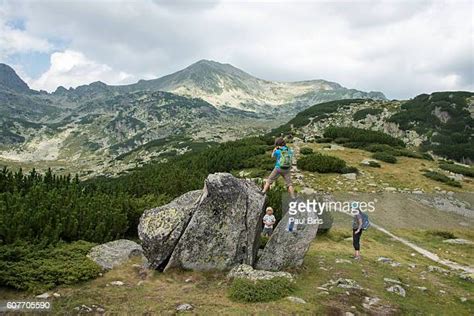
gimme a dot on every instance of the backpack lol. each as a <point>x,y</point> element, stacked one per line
<point>365,220</point>
<point>285,159</point>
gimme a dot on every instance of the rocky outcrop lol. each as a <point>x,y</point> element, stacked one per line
<point>160,228</point>
<point>245,271</point>
<point>224,228</point>
<point>286,249</point>
<point>219,228</point>
<point>114,253</point>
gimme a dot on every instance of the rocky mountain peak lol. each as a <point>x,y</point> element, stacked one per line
<point>205,65</point>
<point>10,80</point>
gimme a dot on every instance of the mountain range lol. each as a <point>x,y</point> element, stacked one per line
<point>106,127</point>
<point>224,85</point>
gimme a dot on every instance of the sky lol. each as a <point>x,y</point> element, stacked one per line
<point>402,48</point>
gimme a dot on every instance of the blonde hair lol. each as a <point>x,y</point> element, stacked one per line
<point>269,209</point>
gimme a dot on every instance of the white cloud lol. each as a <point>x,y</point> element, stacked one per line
<point>71,69</point>
<point>14,41</point>
<point>402,48</point>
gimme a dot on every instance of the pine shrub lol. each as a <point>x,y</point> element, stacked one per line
<point>442,178</point>
<point>385,157</point>
<point>321,163</point>
<point>30,267</point>
<point>247,291</point>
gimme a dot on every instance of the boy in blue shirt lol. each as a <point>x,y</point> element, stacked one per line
<point>283,156</point>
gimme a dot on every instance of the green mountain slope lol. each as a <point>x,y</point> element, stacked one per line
<point>441,123</point>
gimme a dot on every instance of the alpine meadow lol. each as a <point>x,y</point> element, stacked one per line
<point>237,158</point>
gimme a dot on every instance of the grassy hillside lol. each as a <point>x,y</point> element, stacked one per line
<point>326,260</point>
<point>441,123</point>
<point>446,118</point>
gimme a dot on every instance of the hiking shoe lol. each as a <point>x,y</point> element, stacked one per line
<point>356,257</point>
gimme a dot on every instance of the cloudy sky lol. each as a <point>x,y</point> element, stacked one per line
<point>401,48</point>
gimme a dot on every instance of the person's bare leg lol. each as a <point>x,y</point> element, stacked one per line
<point>291,190</point>
<point>266,186</point>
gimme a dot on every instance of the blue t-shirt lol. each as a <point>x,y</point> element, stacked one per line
<point>277,155</point>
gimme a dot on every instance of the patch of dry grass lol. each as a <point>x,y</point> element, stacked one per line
<point>406,173</point>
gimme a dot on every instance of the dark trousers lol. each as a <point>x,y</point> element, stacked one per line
<point>356,239</point>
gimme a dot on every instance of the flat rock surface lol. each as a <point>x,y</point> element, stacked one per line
<point>247,272</point>
<point>114,253</point>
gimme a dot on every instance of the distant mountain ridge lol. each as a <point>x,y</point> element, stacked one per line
<point>225,85</point>
<point>105,127</point>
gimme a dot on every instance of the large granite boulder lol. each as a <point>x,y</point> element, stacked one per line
<point>114,253</point>
<point>286,249</point>
<point>225,228</point>
<point>160,228</point>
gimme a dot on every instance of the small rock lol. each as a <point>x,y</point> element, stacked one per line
<point>467,276</point>
<point>384,259</point>
<point>350,176</point>
<point>463,299</point>
<point>343,261</point>
<point>114,253</point>
<point>458,241</point>
<point>397,289</point>
<point>388,280</point>
<point>83,309</point>
<point>347,284</point>
<point>335,147</point>
<point>370,301</point>
<point>143,272</point>
<point>442,291</point>
<point>189,280</point>
<point>322,288</point>
<point>43,296</point>
<point>437,269</point>
<point>390,189</point>
<point>184,307</point>
<point>421,288</point>
<point>117,283</point>
<point>367,162</point>
<point>247,272</point>
<point>295,299</point>
<point>349,314</point>
<point>100,310</point>
<point>56,295</point>
<point>140,282</point>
